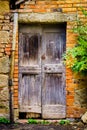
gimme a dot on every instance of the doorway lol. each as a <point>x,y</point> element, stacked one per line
<point>41,71</point>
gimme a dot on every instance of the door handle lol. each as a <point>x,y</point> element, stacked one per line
<point>43,57</point>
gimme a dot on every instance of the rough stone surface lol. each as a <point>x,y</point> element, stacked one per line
<point>4,65</point>
<point>45,17</point>
<point>84,118</point>
<point>1,17</point>
<point>4,37</point>
<point>4,6</point>
<point>81,94</point>
<point>3,80</point>
<point>81,97</point>
<point>4,101</point>
<point>6,27</point>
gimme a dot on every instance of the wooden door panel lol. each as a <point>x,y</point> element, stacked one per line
<point>29,49</point>
<point>53,91</point>
<point>53,71</point>
<point>53,111</point>
<point>30,74</point>
<point>53,96</point>
<point>30,93</point>
<point>54,48</point>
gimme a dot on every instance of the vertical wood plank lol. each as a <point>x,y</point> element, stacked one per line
<point>53,83</point>
<point>30,93</point>
<point>30,82</point>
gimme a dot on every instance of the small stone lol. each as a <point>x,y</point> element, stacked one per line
<point>84,118</point>
<point>75,127</point>
<point>7,17</point>
<point>80,124</point>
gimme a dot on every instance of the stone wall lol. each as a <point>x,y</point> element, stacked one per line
<point>5,47</point>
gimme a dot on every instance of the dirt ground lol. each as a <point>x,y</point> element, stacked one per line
<point>25,126</point>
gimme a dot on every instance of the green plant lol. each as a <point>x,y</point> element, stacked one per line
<point>44,122</point>
<point>64,122</point>
<point>32,121</point>
<point>16,123</point>
<point>4,120</point>
<point>76,58</point>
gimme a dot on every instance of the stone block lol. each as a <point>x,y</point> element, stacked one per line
<point>1,54</point>
<point>1,17</point>
<point>46,17</point>
<point>6,27</point>
<point>84,118</point>
<point>4,6</point>
<point>7,17</point>
<point>4,101</point>
<point>81,97</point>
<point>4,64</point>
<point>4,36</point>
<point>4,95</point>
<point>3,80</point>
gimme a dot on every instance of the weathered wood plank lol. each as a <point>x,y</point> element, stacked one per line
<point>53,68</point>
<point>30,69</point>
<point>32,109</point>
<point>53,82</point>
<point>54,111</point>
<point>54,89</point>
<point>29,49</point>
<point>30,93</point>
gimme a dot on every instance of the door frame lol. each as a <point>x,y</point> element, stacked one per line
<point>29,19</point>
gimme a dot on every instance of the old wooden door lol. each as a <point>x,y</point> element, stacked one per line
<point>30,71</point>
<point>53,72</point>
<point>41,71</point>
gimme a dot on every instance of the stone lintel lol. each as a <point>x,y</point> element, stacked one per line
<point>55,17</point>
